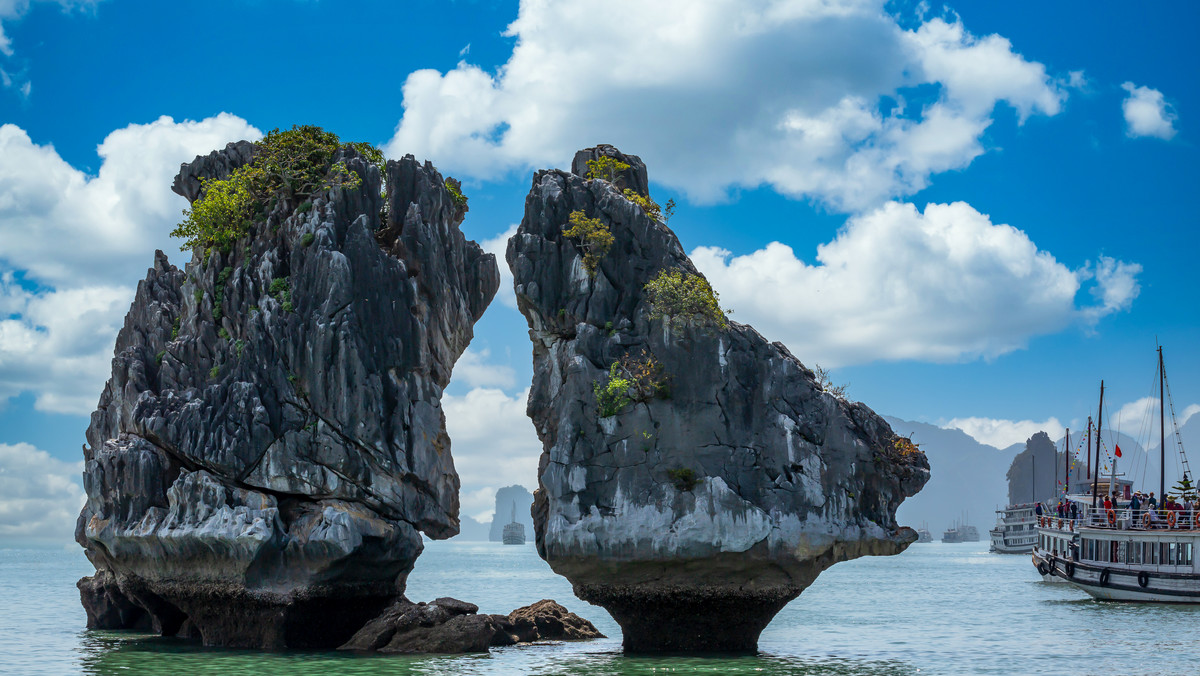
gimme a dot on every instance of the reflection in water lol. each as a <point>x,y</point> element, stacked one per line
<point>113,653</point>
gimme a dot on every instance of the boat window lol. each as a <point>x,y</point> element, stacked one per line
<point>1185,553</point>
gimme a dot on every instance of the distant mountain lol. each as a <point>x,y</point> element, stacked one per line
<point>470,530</point>
<point>508,500</point>
<point>967,478</point>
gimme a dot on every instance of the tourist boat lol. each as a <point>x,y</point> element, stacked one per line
<point>1118,554</point>
<point>1014,532</point>
<point>923,534</point>
<point>514,532</point>
<point>960,532</point>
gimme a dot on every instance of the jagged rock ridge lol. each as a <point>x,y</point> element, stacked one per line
<point>271,443</point>
<point>692,518</point>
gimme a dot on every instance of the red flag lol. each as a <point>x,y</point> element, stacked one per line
<point>1118,450</point>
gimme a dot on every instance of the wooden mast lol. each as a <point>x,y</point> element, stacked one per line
<point>1099,424</point>
<point>1162,430</point>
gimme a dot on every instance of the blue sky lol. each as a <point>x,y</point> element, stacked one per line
<point>971,211</point>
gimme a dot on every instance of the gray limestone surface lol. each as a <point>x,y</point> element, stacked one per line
<point>271,444</point>
<point>695,514</point>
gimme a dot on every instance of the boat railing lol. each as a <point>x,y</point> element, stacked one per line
<point>1124,518</point>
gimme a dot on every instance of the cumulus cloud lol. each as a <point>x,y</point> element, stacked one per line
<point>811,98</point>
<point>1139,419</point>
<point>75,246</point>
<point>40,497</point>
<point>1004,433</point>
<point>498,245</point>
<point>473,369</point>
<point>1147,113</point>
<point>941,285</point>
<point>494,445</point>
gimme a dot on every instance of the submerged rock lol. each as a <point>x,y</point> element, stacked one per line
<point>271,443</point>
<point>719,480</point>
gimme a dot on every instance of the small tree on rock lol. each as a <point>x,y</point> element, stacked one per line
<point>594,238</point>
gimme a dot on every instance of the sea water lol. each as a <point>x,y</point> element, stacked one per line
<point>935,609</point>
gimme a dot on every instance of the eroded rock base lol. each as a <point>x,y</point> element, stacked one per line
<point>691,620</point>
<point>310,621</point>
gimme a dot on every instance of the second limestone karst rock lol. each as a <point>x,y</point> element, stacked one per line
<point>694,477</point>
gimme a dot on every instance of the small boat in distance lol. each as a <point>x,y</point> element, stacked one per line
<point>960,532</point>
<point>514,532</point>
<point>923,534</point>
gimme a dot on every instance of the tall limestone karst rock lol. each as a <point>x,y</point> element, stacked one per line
<point>1040,462</point>
<point>705,480</point>
<point>271,442</point>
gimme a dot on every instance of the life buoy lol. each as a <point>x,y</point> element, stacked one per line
<point>1143,579</point>
<point>1104,575</point>
<point>1171,520</point>
<point>1042,569</point>
<point>1070,569</point>
<point>1146,520</point>
<point>1060,524</point>
<point>1041,521</point>
<point>1197,519</point>
<point>1112,517</point>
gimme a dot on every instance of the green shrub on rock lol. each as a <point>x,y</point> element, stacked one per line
<point>292,164</point>
<point>606,169</point>
<point>684,297</point>
<point>595,239</point>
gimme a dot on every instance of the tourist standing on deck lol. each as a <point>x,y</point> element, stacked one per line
<point>1135,506</point>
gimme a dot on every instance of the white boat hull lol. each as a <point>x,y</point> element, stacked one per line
<point>1124,585</point>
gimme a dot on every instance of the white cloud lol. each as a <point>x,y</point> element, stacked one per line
<point>40,496</point>
<point>808,97</point>
<point>1004,433</point>
<point>80,244</point>
<point>1147,113</point>
<point>1139,419</point>
<point>498,245</point>
<point>494,445</point>
<point>474,370</point>
<point>943,285</point>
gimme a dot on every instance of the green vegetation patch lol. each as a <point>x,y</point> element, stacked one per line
<point>683,298</point>
<point>454,188</point>
<point>684,478</point>
<point>633,377</point>
<point>293,164</point>
<point>606,169</point>
<point>594,238</point>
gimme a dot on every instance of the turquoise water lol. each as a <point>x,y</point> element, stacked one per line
<point>936,609</point>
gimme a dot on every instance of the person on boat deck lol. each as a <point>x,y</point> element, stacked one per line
<point>1135,505</point>
<point>1152,503</point>
<point>1107,502</point>
<point>1074,511</point>
<point>1037,509</point>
